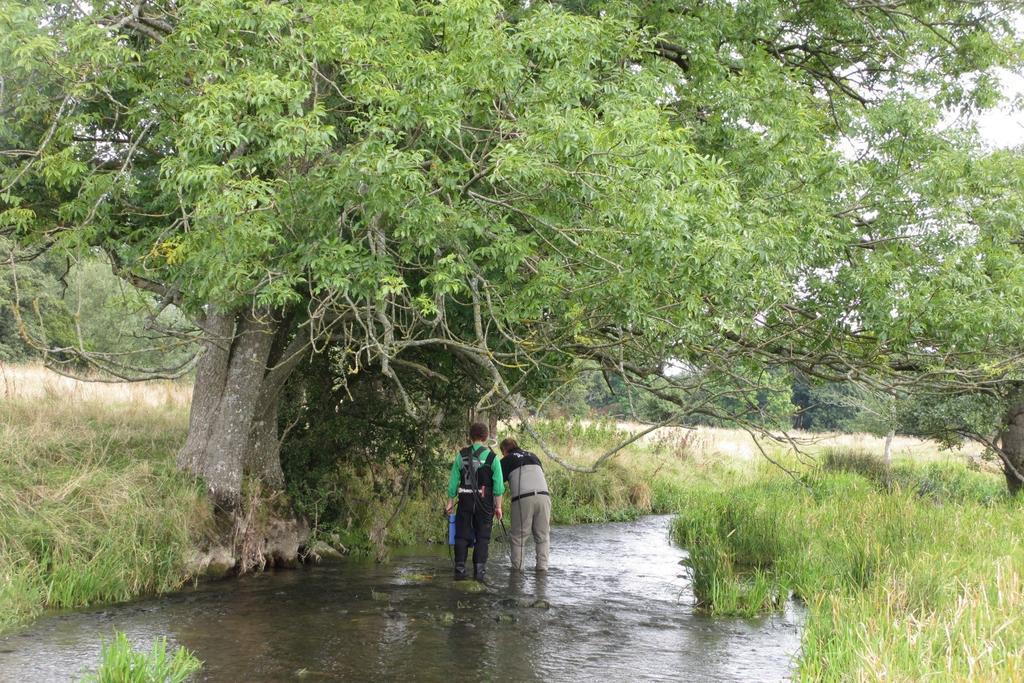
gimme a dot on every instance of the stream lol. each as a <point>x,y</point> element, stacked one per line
<point>615,606</point>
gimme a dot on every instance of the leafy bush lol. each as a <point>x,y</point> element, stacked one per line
<point>353,456</point>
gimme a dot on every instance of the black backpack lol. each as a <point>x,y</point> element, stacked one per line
<point>473,471</point>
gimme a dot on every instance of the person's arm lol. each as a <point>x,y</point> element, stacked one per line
<point>499,482</point>
<point>453,484</point>
<point>497,475</point>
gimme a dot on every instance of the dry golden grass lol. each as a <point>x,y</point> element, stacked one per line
<point>715,442</point>
<point>34,382</point>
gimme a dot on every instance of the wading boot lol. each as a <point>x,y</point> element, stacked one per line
<point>460,571</point>
<point>480,571</point>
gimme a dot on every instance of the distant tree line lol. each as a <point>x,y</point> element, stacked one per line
<point>75,313</point>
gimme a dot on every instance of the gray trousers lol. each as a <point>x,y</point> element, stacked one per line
<point>531,517</point>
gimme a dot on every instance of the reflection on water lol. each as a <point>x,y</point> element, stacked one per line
<point>616,605</point>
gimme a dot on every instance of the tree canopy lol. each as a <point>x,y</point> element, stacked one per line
<point>729,188</point>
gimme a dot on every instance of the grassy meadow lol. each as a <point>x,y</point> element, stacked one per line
<point>92,508</point>
<point>908,572</point>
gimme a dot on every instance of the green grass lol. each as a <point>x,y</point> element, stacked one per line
<point>916,575</point>
<point>92,509</point>
<point>121,663</point>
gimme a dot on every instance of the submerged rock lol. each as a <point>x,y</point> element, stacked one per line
<point>469,586</point>
<point>523,603</point>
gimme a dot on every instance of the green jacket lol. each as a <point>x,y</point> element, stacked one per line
<point>480,452</point>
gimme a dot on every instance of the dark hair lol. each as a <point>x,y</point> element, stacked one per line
<point>508,445</point>
<point>478,431</point>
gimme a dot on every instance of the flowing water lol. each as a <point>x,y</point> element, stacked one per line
<point>616,605</point>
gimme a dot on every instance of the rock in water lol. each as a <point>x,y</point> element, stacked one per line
<point>213,563</point>
<point>470,586</point>
<point>284,536</point>
<point>319,550</point>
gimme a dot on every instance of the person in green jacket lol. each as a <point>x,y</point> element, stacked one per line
<point>476,485</point>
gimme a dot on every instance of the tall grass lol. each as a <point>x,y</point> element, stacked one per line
<point>900,583</point>
<point>121,663</point>
<point>645,478</point>
<point>92,508</point>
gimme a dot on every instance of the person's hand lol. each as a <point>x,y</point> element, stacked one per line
<point>448,508</point>
<point>497,512</point>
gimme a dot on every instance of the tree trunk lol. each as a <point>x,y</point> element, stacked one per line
<point>264,462</point>
<point>233,423</point>
<point>1012,447</point>
<point>211,373</point>
<point>887,453</point>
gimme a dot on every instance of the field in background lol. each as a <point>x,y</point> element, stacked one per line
<point>34,382</point>
<point>716,443</point>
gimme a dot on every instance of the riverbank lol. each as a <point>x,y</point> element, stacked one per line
<point>92,508</point>
<point>909,573</point>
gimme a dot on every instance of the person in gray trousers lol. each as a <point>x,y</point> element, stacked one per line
<point>531,503</point>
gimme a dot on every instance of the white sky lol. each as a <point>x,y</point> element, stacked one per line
<point>1005,127</point>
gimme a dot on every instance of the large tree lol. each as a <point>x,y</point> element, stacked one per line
<point>725,187</point>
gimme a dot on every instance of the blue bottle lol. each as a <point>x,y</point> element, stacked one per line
<point>451,528</point>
